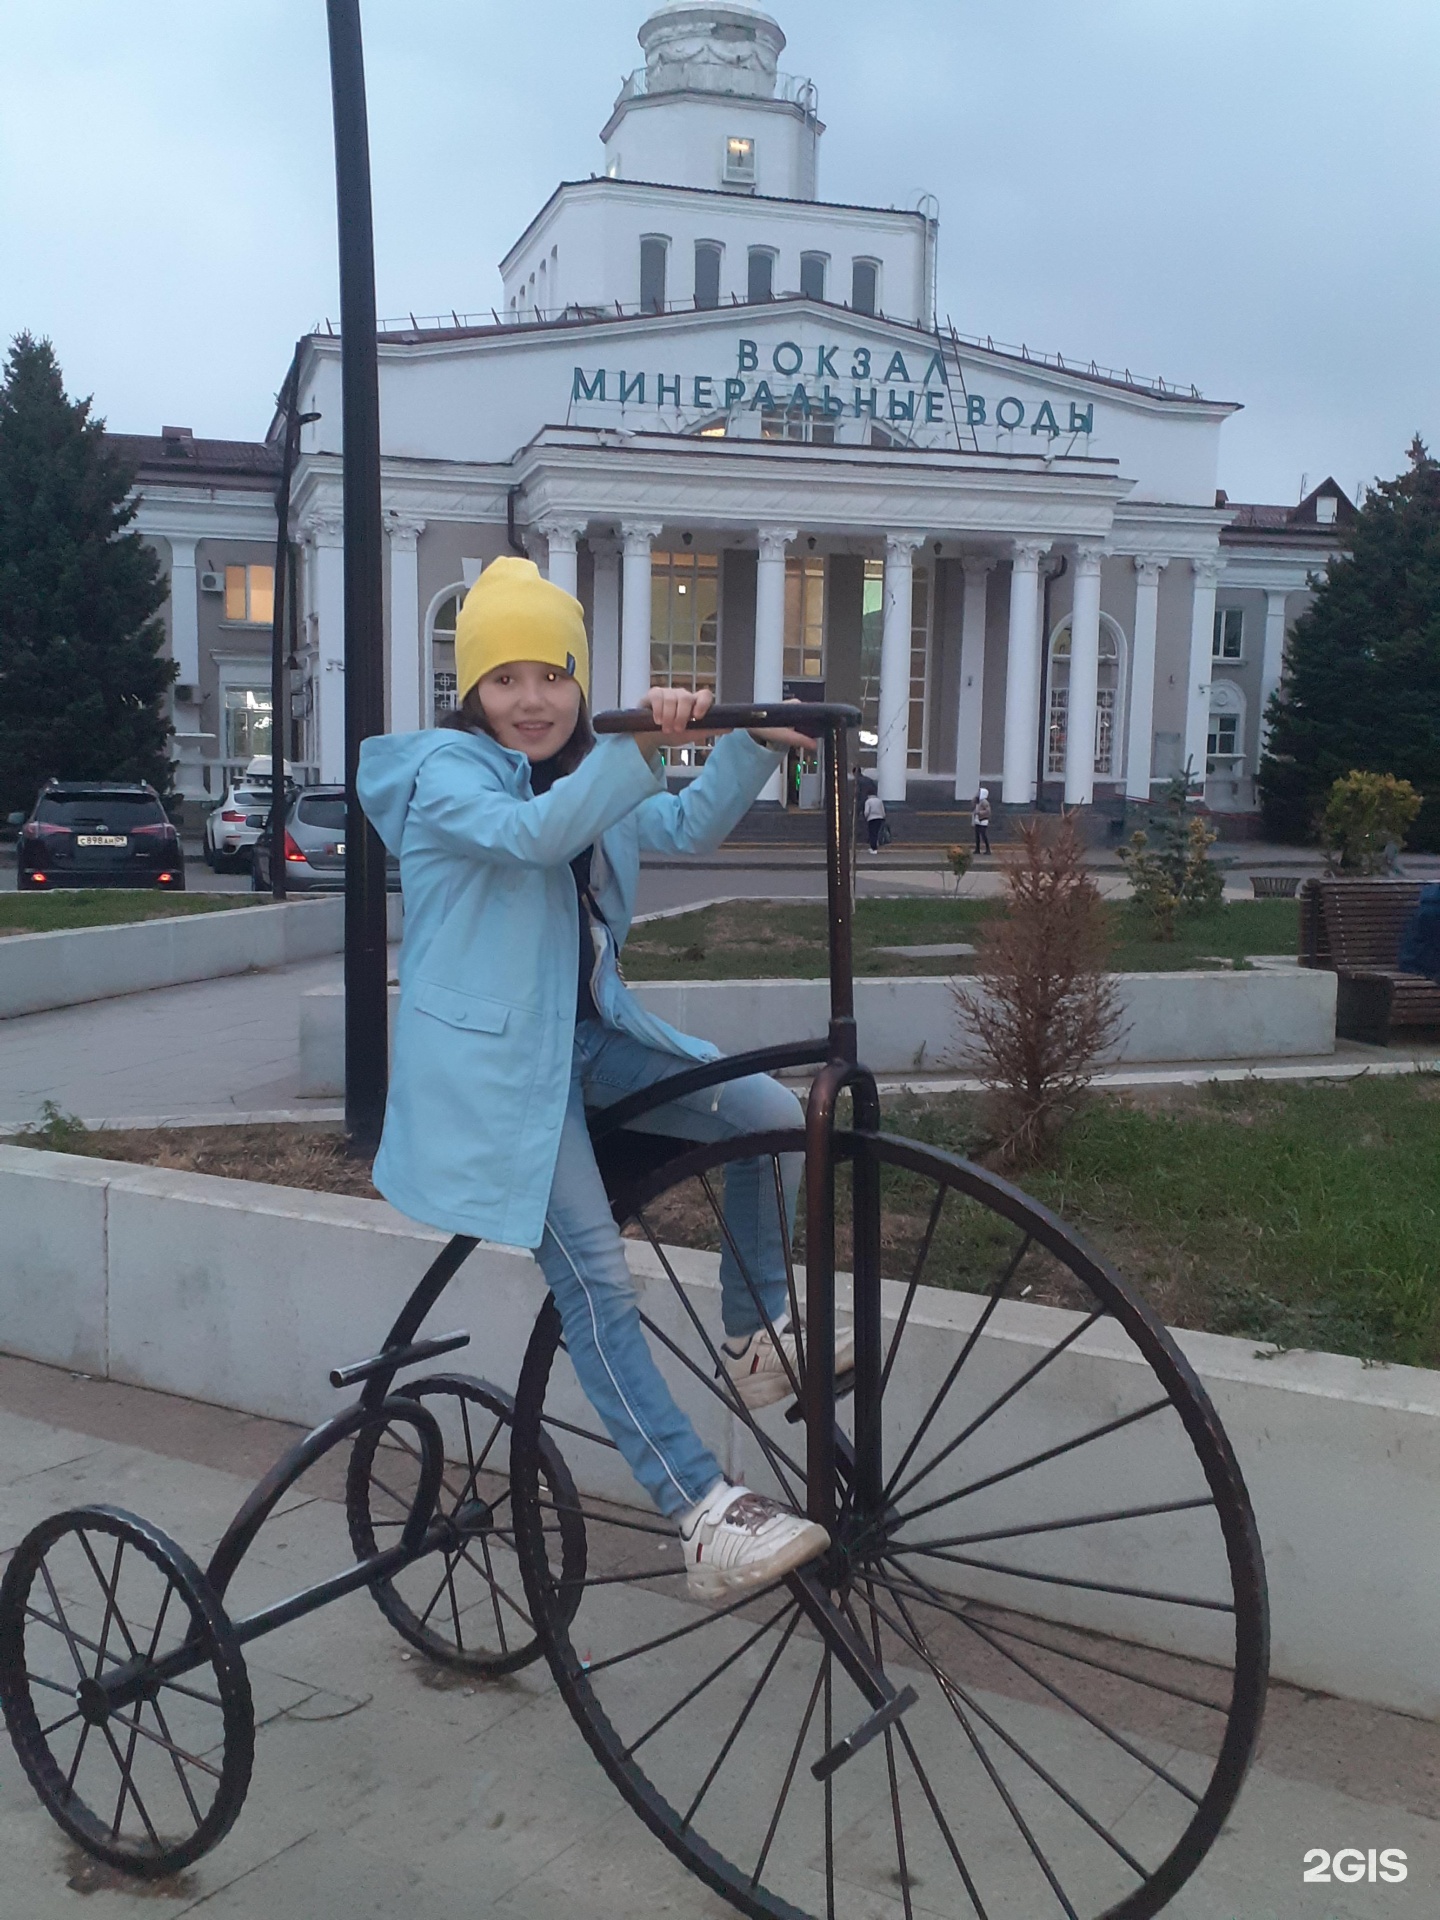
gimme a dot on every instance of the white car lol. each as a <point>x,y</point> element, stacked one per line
<point>232,828</point>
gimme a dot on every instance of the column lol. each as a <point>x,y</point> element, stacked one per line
<point>1022,675</point>
<point>605,626</point>
<point>1272,661</point>
<point>405,705</point>
<point>1207,572</point>
<point>1084,679</point>
<point>325,535</point>
<point>1140,738</point>
<point>972,679</point>
<point>769,683</point>
<point>635,611</point>
<point>562,568</point>
<point>897,616</point>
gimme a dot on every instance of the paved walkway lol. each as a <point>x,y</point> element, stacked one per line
<point>385,1787</point>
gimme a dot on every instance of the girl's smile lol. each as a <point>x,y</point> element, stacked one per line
<point>530,707</point>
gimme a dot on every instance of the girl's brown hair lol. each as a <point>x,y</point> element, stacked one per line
<point>470,716</point>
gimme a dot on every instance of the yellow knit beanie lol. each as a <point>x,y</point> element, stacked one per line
<point>510,614</point>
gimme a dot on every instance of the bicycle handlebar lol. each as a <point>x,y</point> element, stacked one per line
<point>805,716</point>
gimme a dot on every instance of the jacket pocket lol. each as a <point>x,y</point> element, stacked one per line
<point>456,1009</point>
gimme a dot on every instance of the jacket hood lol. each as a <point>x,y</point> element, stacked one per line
<point>390,765</point>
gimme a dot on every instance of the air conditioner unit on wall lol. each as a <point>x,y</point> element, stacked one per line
<point>212,583</point>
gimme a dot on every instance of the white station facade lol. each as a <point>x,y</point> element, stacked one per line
<point>725,412</point>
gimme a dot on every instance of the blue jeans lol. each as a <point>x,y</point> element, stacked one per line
<point>583,1256</point>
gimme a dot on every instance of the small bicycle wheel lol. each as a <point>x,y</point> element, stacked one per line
<point>148,1785</point>
<point>1063,1565</point>
<point>469,1610</point>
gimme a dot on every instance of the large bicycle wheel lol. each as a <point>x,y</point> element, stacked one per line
<point>149,1784</point>
<point>1064,1567</point>
<point>463,1605</point>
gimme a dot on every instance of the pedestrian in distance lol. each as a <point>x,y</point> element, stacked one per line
<point>519,837</point>
<point>980,820</point>
<point>876,825</point>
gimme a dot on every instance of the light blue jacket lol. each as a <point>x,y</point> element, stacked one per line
<point>485,1031</point>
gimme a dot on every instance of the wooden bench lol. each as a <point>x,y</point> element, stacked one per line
<point>1352,928</point>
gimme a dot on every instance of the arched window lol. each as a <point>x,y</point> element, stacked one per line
<point>653,249</point>
<point>865,286</point>
<point>1109,700</point>
<point>812,275</point>
<point>442,652</point>
<point>707,273</point>
<point>760,281</point>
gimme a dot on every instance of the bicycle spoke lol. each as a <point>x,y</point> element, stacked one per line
<point>750,1284</point>
<point>1059,1693</point>
<point>782,1214</point>
<point>405,1505</point>
<point>700,1686</point>
<point>678,1633</point>
<point>75,1759</point>
<point>144,1733</point>
<point>435,1598</point>
<point>744,1715</point>
<point>594,1519</point>
<point>795,1751</point>
<point>829,1794</point>
<point>913,1287</point>
<point>55,1686</point>
<point>1104,1666</point>
<point>583,1433</point>
<point>109,1590</point>
<point>494,1593</point>
<point>174,1759</point>
<point>1036,1460</point>
<point>722,1379</point>
<point>971,1341</point>
<point>1073,1580</point>
<point>951,1694</point>
<point>128,1787</point>
<point>1018,1386</point>
<point>903,1735</point>
<point>56,1725</point>
<point>60,1623</point>
<point>454,1600</point>
<point>1079,1520</point>
<point>896,1820</point>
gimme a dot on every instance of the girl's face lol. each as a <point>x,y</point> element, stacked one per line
<point>530,707</point>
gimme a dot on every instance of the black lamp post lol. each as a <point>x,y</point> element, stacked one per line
<point>366,1010</point>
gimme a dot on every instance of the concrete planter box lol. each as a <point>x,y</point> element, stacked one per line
<point>244,1295</point>
<point>908,1025</point>
<point>39,971</point>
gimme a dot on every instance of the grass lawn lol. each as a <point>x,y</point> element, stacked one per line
<point>749,940</point>
<point>1291,1215</point>
<point>105,907</point>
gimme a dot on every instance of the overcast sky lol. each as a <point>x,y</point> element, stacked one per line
<point>1238,193</point>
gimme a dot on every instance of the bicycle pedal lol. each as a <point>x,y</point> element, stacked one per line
<point>846,1749</point>
<point>844,1387</point>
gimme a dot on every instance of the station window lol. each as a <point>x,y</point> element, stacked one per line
<point>739,161</point>
<point>812,275</point>
<point>760,281</point>
<point>1228,640</point>
<point>805,618</point>
<point>652,273</point>
<point>707,273</point>
<point>1107,703</point>
<point>684,619</point>
<point>864,286</point>
<point>247,721</point>
<point>779,423</point>
<point>250,595</point>
<point>1222,741</point>
<point>872,626</point>
<point>442,654</point>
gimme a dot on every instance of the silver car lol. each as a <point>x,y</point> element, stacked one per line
<point>314,846</point>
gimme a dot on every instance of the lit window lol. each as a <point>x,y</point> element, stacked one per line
<point>250,595</point>
<point>652,274</point>
<point>684,619</point>
<point>707,273</point>
<point>1228,638</point>
<point>864,286</point>
<point>812,275</point>
<point>247,722</point>
<point>805,619</point>
<point>778,423</point>
<point>1327,510</point>
<point>760,283</point>
<point>739,161</point>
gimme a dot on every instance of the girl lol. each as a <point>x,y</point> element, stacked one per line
<point>519,839</point>
<point>980,819</point>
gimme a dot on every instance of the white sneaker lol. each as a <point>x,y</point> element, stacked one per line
<point>734,1539</point>
<point>758,1371</point>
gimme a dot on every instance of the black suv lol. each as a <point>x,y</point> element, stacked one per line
<point>99,833</point>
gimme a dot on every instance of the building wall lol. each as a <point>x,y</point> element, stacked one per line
<point>681,140</point>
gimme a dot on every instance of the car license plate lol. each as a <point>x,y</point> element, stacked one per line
<point>101,840</point>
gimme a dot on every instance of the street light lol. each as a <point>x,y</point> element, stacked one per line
<point>366,1010</point>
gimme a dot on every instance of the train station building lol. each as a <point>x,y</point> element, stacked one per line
<point>726,413</point>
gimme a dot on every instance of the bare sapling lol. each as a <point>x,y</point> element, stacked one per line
<point>1041,1005</point>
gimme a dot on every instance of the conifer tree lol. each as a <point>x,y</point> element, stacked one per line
<point>82,677</point>
<point>1362,688</point>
